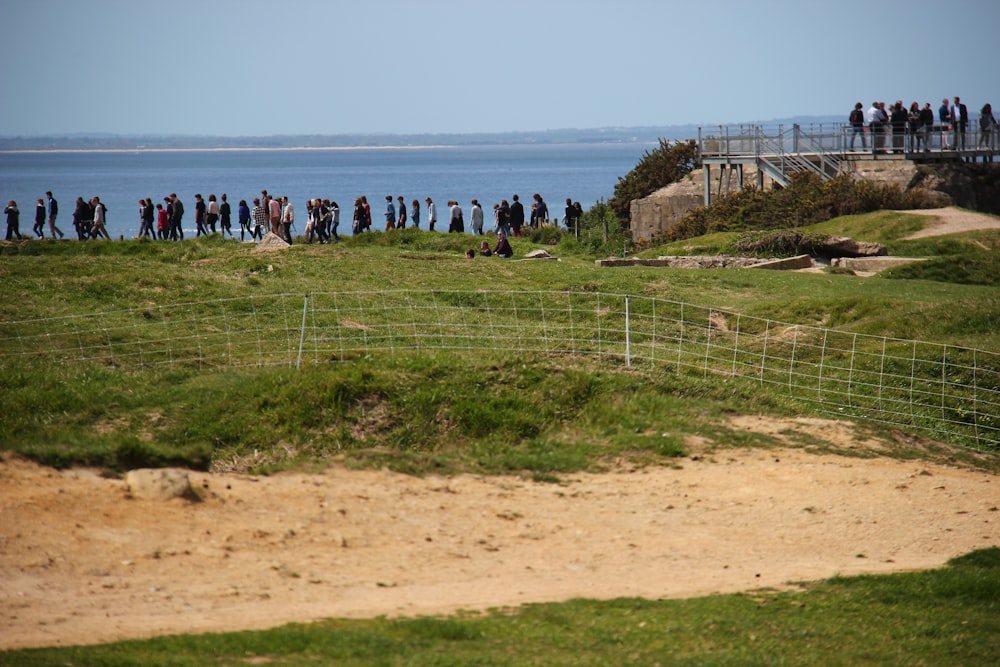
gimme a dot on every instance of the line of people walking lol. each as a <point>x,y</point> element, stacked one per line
<point>267,214</point>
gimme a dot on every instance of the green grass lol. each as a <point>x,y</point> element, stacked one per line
<point>949,616</point>
<point>483,411</point>
<point>969,258</point>
<point>413,413</point>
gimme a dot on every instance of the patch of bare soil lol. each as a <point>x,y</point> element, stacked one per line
<point>953,220</point>
<point>82,563</point>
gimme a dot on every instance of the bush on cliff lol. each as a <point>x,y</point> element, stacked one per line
<point>658,168</point>
<point>806,201</point>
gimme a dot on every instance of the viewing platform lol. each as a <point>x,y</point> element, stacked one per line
<point>829,150</point>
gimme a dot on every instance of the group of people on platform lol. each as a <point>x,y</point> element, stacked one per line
<point>277,215</point>
<point>910,128</point>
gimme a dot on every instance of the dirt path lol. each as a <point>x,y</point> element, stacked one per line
<point>82,563</point>
<point>952,221</point>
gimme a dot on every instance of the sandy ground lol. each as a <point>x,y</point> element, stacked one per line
<point>81,562</point>
<point>953,220</point>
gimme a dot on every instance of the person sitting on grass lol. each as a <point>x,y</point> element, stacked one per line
<point>503,248</point>
<point>484,249</point>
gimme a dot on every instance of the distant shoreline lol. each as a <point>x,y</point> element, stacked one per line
<point>231,149</point>
<point>249,149</point>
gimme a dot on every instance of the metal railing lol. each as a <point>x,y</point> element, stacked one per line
<point>827,143</point>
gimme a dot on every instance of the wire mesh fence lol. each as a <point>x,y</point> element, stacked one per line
<point>948,392</point>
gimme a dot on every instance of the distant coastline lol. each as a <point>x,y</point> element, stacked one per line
<point>223,149</point>
<point>103,142</point>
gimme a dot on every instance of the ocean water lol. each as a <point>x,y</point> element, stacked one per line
<point>582,172</point>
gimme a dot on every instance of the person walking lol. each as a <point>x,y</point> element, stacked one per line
<point>100,218</point>
<point>314,215</point>
<point>456,222</point>
<point>287,219</point>
<point>431,214</point>
<point>390,213</point>
<point>260,220</point>
<point>539,211</point>
<point>142,218</point>
<point>516,215</point>
<point>13,221</point>
<point>39,227</point>
<point>176,218</point>
<point>53,214</point>
<point>150,218</point>
<point>162,223</point>
<point>415,214</point>
<point>503,217</point>
<point>334,209</point>
<point>367,210</point>
<point>569,217</point>
<point>212,214</point>
<point>82,219</point>
<point>401,220</point>
<point>199,216</point>
<point>358,223</point>
<point>243,219</point>
<point>225,217</point>
<point>476,217</point>
<point>274,215</point>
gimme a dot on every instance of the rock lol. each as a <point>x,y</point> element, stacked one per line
<point>160,484</point>
<point>272,241</point>
<point>538,254</point>
<point>685,262</point>
<point>842,246</point>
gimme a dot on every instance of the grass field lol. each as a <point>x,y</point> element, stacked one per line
<point>493,411</point>
<point>442,405</point>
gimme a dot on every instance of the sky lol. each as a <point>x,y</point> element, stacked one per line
<point>256,68</point>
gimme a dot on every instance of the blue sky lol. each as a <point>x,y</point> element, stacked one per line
<point>248,67</point>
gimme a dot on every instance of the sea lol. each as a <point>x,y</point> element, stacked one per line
<point>584,172</point>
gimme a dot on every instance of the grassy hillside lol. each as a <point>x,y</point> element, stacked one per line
<point>965,258</point>
<point>499,411</point>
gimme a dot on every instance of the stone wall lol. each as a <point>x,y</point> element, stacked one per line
<point>660,211</point>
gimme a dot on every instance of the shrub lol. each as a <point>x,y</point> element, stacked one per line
<point>601,232</point>
<point>657,169</point>
<point>546,235</point>
<point>780,243</point>
<point>806,201</point>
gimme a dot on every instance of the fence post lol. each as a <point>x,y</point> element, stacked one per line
<point>628,338</point>
<point>302,331</point>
